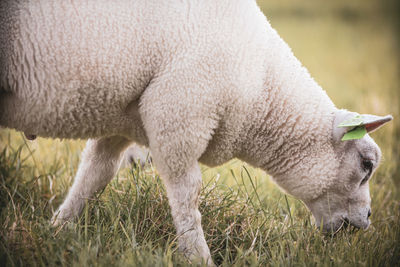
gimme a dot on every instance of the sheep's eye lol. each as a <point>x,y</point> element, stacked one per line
<point>367,165</point>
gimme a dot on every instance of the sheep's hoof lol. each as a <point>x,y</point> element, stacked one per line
<point>59,219</point>
<point>55,221</point>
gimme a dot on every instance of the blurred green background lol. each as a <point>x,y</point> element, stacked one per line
<point>352,50</point>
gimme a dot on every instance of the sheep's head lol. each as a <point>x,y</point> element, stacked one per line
<point>347,198</point>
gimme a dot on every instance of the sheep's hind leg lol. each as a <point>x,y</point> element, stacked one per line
<point>136,155</point>
<point>99,163</point>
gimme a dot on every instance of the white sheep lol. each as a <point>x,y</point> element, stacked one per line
<point>194,81</point>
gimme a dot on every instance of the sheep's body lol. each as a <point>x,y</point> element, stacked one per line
<point>82,71</point>
<point>193,80</point>
<point>108,53</point>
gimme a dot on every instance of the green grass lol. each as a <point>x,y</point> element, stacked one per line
<point>247,220</point>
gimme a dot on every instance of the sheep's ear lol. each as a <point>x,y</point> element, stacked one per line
<point>351,125</point>
<point>372,122</point>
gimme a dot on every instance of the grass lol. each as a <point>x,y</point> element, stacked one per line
<point>247,220</point>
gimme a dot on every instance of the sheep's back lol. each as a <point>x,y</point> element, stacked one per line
<point>73,67</point>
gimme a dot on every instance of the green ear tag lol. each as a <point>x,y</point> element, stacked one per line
<point>356,133</point>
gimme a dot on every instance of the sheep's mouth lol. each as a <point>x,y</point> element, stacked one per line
<point>346,224</point>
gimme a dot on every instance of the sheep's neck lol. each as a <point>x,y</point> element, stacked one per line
<point>297,114</point>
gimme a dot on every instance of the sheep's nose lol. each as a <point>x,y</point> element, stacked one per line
<point>369,213</point>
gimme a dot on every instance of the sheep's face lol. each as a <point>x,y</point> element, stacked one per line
<point>347,199</point>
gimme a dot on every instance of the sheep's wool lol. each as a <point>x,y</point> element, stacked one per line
<point>211,78</point>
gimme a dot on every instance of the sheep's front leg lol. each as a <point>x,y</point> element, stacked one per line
<point>99,163</point>
<point>183,194</point>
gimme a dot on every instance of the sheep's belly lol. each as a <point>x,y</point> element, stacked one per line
<point>73,115</point>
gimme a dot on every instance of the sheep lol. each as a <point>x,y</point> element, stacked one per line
<point>194,81</point>
<point>136,155</point>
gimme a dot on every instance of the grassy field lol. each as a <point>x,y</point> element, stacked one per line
<point>352,50</point>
